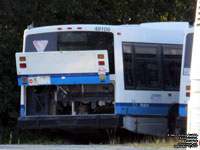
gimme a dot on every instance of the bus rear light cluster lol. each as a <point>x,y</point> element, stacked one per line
<point>22,59</point>
<point>101,56</point>
<point>188,89</point>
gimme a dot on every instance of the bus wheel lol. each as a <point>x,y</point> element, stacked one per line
<point>172,116</point>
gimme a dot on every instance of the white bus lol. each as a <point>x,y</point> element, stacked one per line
<point>185,78</point>
<point>101,76</point>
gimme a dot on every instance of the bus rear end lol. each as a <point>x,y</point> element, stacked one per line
<point>185,78</point>
<point>65,74</point>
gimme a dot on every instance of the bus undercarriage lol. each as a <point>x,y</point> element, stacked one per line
<point>70,99</point>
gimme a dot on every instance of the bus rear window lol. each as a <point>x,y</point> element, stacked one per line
<point>71,41</point>
<point>188,54</point>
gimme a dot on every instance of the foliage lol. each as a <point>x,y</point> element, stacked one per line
<point>17,14</point>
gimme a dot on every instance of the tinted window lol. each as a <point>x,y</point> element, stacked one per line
<point>188,50</point>
<point>172,66</point>
<point>128,65</point>
<point>146,66</point>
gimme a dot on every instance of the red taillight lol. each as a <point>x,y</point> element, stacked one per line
<point>22,65</point>
<point>79,28</point>
<point>59,28</point>
<point>101,63</point>
<point>188,94</point>
<point>69,28</point>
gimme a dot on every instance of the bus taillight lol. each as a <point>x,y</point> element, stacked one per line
<point>188,94</point>
<point>101,63</point>
<point>22,65</point>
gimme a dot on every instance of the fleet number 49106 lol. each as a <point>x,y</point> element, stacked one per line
<point>102,29</point>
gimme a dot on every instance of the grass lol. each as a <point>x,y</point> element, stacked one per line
<point>10,135</point>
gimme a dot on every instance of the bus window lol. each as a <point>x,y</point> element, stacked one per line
<point>128,65</point>
<point>188,54</point>
<point>172,66</point>
<point>146,66</point>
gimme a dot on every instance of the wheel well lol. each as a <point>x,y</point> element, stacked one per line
<point>172,116</point>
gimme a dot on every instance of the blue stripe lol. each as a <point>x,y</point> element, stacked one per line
<point>142,108</point>
<point>183,109</point>
<point>72,78</point>
<point>22,111</point>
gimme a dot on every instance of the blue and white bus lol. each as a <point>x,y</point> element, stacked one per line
<point>101,76</point>
<point>185,82</point>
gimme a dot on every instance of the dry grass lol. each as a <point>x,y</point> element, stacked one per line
<point>156,143</point>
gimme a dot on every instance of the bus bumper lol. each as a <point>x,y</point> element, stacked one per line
<point>79,121</point>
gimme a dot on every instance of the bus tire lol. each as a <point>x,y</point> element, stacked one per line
<point>172,116</point>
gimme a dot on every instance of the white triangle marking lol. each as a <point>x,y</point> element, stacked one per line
<point>40,45</point>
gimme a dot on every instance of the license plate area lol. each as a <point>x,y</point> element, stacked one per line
<point>39,80</point>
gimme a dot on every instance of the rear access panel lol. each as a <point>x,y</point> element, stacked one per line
<point>63,68</point>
